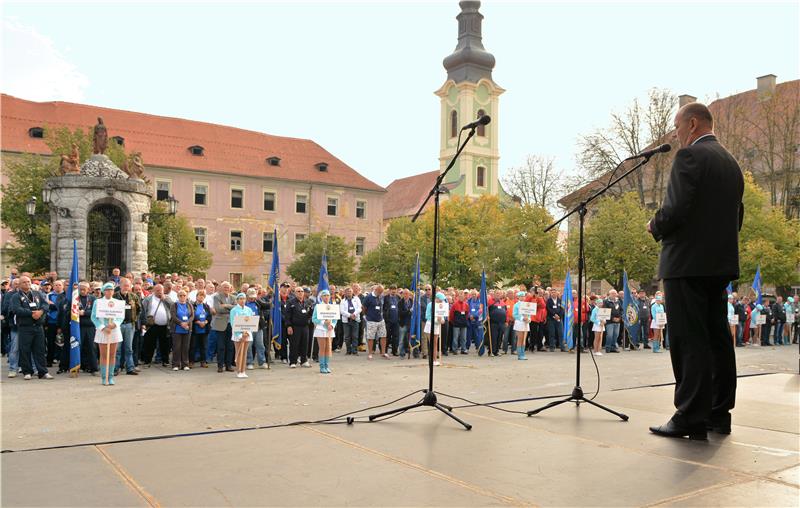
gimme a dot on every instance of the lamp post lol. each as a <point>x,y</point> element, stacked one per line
<point>30,207</point>
<point>172,207</point>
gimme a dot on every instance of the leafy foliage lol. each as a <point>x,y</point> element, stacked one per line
<point>305,268</point>
<point>171,245</point>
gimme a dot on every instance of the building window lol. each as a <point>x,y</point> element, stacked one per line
<point>298,237</point>
<point>237,198</point>
<point>268,240</point>
<point>453,124</point>
<point>322,166</point>
<point>36,132</point>
<point>359,246</point>
<point>333,207</point>
<point>235,279</point>
<point>481,180</point>
<point>236,241</point>
<point>200,194</point>
<point>300,202</point>
<point>162,190</point>
<point>274,161</point>
<point>200,236</point>
<point>120,140</point>
<point>196,150</point>
<point>269,201</point>
<point>481,130</point>
<point>361,209</point>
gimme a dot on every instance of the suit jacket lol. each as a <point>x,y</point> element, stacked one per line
<point>222,314</point>
<point>698,224</point>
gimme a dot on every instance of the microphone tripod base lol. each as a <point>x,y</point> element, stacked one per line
<point>428,400</point>
<point>577,397</point>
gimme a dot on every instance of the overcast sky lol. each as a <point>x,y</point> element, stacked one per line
<point>358,77</point>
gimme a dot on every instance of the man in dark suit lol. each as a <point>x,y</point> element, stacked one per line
<point>698,226</point>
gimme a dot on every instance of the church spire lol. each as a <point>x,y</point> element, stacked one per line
<point>469,61</point>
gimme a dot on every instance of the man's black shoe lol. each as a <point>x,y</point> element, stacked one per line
<point>720,425</point>
<point>647,346</point>
<point>132,373</point>
<point>671,429</point>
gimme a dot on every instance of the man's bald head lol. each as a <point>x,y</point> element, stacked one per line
<point>693,121</point>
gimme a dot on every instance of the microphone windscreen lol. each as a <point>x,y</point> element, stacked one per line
<point>666,147</point>
<point>485,119</point>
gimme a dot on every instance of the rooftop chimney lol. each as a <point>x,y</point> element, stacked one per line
<point>766,86</point>
<point>686,99</point>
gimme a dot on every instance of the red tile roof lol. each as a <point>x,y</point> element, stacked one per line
<point>405,195</point>
<point>164,142</point>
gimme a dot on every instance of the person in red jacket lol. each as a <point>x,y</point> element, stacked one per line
<point>538,322</point>
<point>458,319</point>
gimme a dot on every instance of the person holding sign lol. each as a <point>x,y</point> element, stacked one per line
<point>107,316</point>
<point>658,322</point>
<point>522,322</point>
<point>442,311</point>
<point>598,325</point>
<point>733,319</point>
<point>241,339</point>
<point>325,318</point>
<point>756,320</point>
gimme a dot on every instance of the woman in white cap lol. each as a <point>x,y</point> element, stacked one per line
<point>241,340</point>
<point>107,335</point>
<point>324,331</point>
<point>522,324</point>
<point>437,321</point>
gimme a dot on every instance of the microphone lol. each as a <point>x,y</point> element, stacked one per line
<point>480,121</point>
<point>649,153</point>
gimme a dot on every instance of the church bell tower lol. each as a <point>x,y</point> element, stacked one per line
<point>468,93</point>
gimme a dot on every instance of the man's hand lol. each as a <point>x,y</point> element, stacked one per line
<point>650,227</point>
<point>37,314</point>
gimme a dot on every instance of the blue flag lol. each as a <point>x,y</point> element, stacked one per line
<point>74,315</point>
<point>323,275</point>
<point>629,304</point>
<point>274,282</point>
<point>569,312</point>
<point>484,296</point>
<point>729,289</point>
<point>757,285</point>
<point>416,323</point>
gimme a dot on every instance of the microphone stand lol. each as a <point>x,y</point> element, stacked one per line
<point>430,395</point>
<point>577,395</point>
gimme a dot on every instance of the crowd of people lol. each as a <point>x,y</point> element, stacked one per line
<point>185,323</point>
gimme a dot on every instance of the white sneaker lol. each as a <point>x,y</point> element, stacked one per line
<point>386,355</point>
<point>437,363</point>
<point>27,377</point>
<point>240,374</point>
<point>598,353</point>
<point>250,367</point>
<point>12,374</point>
<point>292,366</point>
<point>264,366</point>
<point>175,368</point>
<point>47,376</point>
<point>186,368</point>
<point>284,360</point>
<point>306,364</point>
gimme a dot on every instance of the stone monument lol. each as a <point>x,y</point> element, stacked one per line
<point>101,206</point>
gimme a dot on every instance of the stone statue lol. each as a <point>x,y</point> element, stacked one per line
<point>70,164</point>
<point>134,166</point>
<point>100,137</point>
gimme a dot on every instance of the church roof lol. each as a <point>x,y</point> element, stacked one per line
<point>168,142</point>
<point>404,196</point>
<point>469,61</point>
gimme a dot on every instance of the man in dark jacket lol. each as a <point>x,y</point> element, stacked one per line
<point>698,226</point>
<point>298,317</point>
<point>778,319</point>
<point>30,311</point>
<point>555,320</point>
<point>391,315</point>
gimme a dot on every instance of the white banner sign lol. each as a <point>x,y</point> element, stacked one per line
<point>604,314</point>
<point>789,318</point>
<point>733,320</point>
<point>527,308</point>
<point>761,319</point>
<point>327,311</point>
<point>442,309</point>
<point>243,323</point>
<point>110,309</point>
<point>661,318</point>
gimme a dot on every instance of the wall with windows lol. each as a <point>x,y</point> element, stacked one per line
<point>235,217</point>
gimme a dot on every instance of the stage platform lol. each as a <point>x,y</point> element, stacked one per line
<point>566,456</point>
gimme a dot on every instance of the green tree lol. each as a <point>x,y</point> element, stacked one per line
<point>528,251</point>
<point>392,262</point>
<point>172,247</point>
<point>26,176</point>
<point>617,239</point>
<point>305,268</point>
<point>767,238</point>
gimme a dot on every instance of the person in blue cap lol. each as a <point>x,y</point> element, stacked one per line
<point>521,325</point>
<point>441,302</point>
<point>324,332</point>
<point>755,327</point>
<point>107,335</point>
<point>241,340</point>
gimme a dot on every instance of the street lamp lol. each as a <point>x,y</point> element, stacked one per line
<point>46,194</point>
<point>172,207</point>
<point>30,207</point>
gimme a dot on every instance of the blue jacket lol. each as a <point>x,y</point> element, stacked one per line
<point>373,308</point>
<point>474,310</point>
<point>391,308</point>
